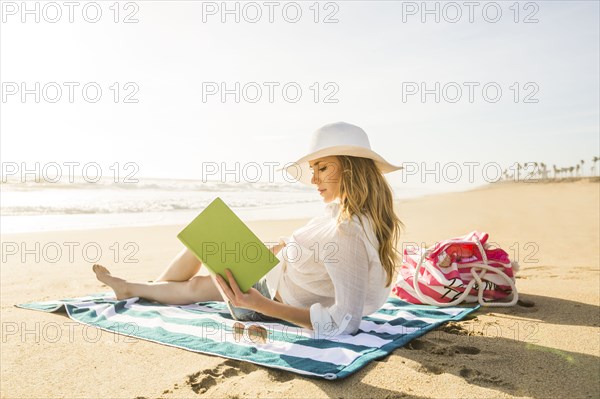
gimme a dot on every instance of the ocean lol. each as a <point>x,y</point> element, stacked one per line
<point>46,206</point>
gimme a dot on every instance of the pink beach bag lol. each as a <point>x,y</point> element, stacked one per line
<point>461,269</point>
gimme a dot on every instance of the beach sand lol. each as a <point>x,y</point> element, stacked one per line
<point>550,349</point>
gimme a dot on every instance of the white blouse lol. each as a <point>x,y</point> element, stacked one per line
<point>334,270</point>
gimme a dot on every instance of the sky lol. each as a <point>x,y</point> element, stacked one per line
<point>543,56</point>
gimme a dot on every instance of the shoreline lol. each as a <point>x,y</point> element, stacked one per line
<point>248,215</point>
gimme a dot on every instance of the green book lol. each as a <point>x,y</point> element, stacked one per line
<point>219,238</point>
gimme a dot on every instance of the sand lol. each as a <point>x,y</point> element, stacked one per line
<point>550,349</point>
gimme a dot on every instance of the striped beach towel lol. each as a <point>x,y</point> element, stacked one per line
<point>207,327</point>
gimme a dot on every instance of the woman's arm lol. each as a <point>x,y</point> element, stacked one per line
<point>297,316</point>
<point>256,301</point>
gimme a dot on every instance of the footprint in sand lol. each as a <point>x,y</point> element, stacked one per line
<point>431,369</point>
<point>280,375</point>
<point>433,348</point>
<point>465,350</point>
<point>480,378</point>
<point>202,381</point>
<point>453,328</point>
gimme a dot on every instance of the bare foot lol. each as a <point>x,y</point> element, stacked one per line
<point>118,285</point>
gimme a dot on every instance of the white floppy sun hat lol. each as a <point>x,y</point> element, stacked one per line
<point>338,138</point>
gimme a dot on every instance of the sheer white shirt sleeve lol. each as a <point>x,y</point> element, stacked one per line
<point>349,272</point>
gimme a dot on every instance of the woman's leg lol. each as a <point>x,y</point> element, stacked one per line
<point>196,289</point>
<point>183,267</point>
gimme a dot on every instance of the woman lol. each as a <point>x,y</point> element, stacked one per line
<point>335,270</point>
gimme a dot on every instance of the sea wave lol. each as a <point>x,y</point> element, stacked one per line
<point>137,207</point>
<point>153,184</point>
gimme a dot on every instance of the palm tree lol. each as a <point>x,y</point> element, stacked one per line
<point>555,170</point>
<point>526,175</point>
<point>582,162</point>
<point>594,160</point>
<point>544,171</point>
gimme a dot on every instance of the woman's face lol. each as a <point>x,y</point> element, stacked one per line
<point>327,172</point>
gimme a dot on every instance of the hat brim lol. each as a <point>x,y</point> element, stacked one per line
<point>300,170</point>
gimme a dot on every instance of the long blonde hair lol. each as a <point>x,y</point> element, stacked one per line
<point>365,191</point>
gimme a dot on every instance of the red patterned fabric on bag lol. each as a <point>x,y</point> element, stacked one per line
<point>449,272</point>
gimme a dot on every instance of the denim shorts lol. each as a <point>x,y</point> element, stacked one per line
<point>243,314</point>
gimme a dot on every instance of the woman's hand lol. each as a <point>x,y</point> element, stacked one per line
<point>250,300</point>
<point>277,247</point>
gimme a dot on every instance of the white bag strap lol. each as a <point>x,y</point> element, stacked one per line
<point>477,278</point>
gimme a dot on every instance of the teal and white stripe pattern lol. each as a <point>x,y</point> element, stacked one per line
<point>207,327</point>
